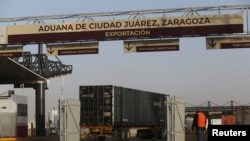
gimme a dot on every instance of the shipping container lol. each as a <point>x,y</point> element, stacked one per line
<point>120,109</point>
<point>228,119</point>
<point>242,116</point>
<point>215,121</point>
<point>69,119</point>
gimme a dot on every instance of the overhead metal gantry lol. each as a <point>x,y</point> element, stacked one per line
<point>210,106</point>
<point>47,68</point>
<point>36,68</point>
<point>136,14</point>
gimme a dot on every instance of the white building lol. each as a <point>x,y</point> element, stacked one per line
<point>13,116</point>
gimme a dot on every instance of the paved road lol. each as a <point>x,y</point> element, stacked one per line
<point>47,138</point>
<point>56,138</point>
<point>132,139</point>
<point>188,137</point>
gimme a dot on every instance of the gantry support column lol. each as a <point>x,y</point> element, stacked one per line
<point>40,96</point>
<point>40,109</point>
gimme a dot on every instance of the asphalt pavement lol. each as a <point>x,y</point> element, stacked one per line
<point>56,138</point>
<point>188,137</point>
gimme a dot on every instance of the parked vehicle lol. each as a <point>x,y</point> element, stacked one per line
<point>114,110</point>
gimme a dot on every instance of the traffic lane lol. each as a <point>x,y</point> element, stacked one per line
<point>188,137</point>
<point>57,138</point>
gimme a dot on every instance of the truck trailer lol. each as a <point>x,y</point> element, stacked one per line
<point>115,110</point>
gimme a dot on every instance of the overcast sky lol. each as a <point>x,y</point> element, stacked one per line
<point>193,73</point>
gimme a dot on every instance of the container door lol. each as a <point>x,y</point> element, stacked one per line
<point>175,119</point>
<point>69,120</point>
<point>96,105</point>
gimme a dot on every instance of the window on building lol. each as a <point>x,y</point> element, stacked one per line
<point>22,110</point>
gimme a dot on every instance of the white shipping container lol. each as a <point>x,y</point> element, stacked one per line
<point>216,121</point>
<point>175,119</point>
<point>69,120</point>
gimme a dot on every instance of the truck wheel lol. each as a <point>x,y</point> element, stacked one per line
<point>125,134</point>
<point>158,133</point>
<point>162,133</point>
<point>115,135</point>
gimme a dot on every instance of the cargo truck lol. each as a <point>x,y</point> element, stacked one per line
<point>115,110</point>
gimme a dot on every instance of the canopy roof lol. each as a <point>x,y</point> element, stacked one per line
<point>12,72</point>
